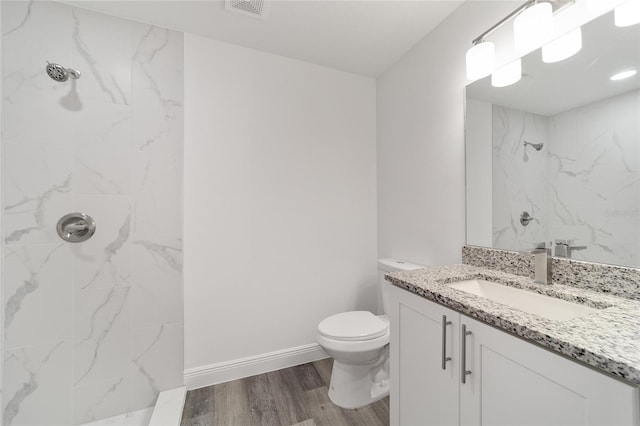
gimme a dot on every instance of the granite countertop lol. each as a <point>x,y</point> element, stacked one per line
<point>608,340</point>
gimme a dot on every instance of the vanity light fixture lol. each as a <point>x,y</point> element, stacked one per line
<point>623,75</point>
<point>480,60</point>
<point>627,13</point>
<point>533,26</point>
<point>508,74</point>
<point>563,47</point>
<point>597,5</point>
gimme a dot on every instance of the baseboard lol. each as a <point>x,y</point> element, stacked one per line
<point>212,374</point>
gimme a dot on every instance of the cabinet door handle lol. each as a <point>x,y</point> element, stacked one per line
<point>445,358</point>
<point>463,355</point>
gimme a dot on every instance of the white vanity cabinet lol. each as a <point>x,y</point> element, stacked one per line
<point>422,392</point>
<point>511,382</point>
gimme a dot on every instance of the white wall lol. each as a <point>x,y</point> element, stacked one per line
<point>421,207</point>
<point>280,200</point>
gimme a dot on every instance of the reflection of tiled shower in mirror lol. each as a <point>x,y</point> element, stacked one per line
<point>519,178</point>
<point>585,183</point>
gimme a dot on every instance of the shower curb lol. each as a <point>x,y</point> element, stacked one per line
<point>168,408</point>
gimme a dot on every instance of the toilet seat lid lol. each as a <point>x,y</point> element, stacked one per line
<point>353,325</point>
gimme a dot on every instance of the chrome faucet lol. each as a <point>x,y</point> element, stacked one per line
<point>565,248</point>
<point>542,253</point>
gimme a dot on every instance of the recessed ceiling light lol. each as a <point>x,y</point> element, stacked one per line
<point>622,75</point>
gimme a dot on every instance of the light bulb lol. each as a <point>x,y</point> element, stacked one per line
<point>480,60</point>
<point>533,27</point>
<point>507,75</point>
<point>563,47</point>
<point>627,14</point>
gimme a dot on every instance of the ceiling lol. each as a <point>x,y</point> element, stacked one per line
<point>549,89</point>
<point>364,36</point>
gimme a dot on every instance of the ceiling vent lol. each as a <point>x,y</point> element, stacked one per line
<point>255,8</point>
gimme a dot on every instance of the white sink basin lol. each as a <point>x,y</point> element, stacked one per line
<point>528,301</point>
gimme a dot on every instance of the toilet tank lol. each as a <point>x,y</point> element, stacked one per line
<point>391,265</point>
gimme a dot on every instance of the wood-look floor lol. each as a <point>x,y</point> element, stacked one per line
<point>292,396</point>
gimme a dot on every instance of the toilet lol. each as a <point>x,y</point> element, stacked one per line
<point>358,342</point>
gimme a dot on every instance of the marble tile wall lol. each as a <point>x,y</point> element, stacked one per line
<point>584,184</point>
<point>594,176</point>
<point>95,329</point>
<point>519,178</point>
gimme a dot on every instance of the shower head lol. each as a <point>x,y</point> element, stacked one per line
<point>60,73</point>
<point>536,146</point>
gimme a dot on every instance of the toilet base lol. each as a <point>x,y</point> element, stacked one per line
<point>354,386</point>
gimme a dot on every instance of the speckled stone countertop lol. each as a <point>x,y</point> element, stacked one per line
<point>608,340</point>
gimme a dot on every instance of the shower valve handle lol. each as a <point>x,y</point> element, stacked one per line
<point>525,218</point>
<point>80,225</point>
<point>76,227</point>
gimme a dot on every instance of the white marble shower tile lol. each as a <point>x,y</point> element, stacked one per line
<point>157,132</point>
<point>158,201</point>
<point>108,144</point>
<point>157,282</point>
<point>33,104</point>
<point>35,386</point>
<point>102,399</point>
<point>37,183</point>
<point>102,52</point>
<point>596,221</point>
<point>103,146</point>
<point>157,362</point>
<point>157,71</point>
<point>626,125</point>
<point>519,178</point>
<point>102,329</point>
<point>594,193</point>
<point>562,155</point>
<point>105,259</point>
<point>38,294</point>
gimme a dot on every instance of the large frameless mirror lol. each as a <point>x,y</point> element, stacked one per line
<point>556,156</point>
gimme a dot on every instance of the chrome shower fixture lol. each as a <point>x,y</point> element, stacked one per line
<point>536,146</point>
<point>59,73</point>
